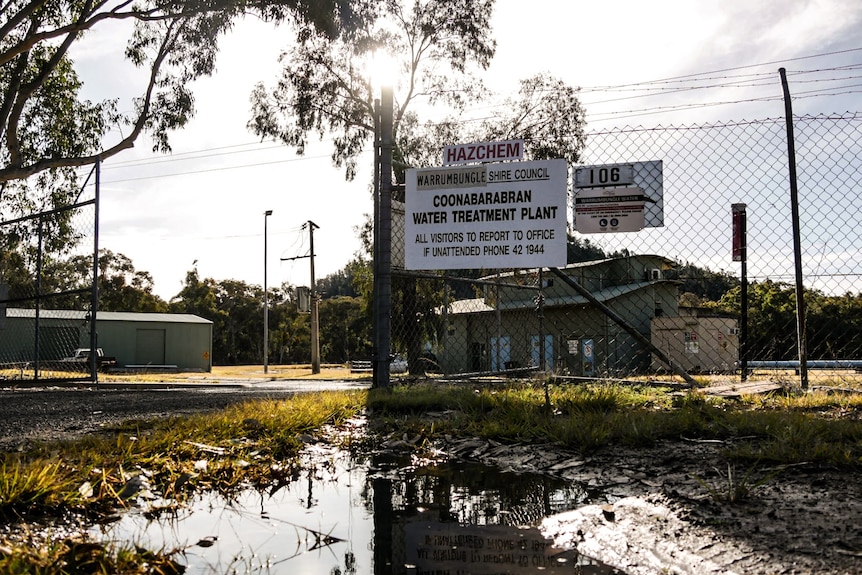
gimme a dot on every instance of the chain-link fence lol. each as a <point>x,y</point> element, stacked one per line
<point>633,303</point>
<point>47,292</point>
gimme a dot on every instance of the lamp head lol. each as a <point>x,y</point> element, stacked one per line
<point>382,69</point>
<point>267,213</point>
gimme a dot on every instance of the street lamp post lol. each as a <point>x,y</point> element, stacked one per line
<point>266,215</point>
<point>383,243</point>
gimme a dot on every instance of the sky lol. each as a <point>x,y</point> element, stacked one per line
<point>203,205</point>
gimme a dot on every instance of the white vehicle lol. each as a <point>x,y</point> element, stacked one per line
<point>82,356</point>
<point>397,364</point>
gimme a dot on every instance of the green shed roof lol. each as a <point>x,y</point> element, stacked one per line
<point>108,315</point>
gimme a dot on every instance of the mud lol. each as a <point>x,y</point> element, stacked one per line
<point>666,509</point>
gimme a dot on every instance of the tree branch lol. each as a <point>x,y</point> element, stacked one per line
<point>14,170</point>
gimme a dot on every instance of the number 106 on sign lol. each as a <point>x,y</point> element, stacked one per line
<point>602,176</point>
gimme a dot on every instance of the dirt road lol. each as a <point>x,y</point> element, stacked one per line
<point>38,414</point>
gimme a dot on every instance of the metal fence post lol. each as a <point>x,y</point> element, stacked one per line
<point>802,342</point>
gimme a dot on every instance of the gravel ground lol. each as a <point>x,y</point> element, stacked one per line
<point>34,414</point>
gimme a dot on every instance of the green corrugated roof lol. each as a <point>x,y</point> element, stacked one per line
<point>108,315</point>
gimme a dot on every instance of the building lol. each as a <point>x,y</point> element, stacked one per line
<point>697,342</point>
<point>504,329</point>
<point>136,340</point>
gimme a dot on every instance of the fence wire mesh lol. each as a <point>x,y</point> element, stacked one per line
<point>46,292</point>
<point>677,285</point>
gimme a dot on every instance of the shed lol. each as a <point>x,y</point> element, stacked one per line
<point>134,338</point>
<point>698,344</point>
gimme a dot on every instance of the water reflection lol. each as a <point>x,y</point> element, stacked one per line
<point>379,515</point>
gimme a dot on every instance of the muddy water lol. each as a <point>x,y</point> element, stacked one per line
<point>379,515</point>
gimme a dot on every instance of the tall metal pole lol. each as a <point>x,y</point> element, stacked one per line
<point>315,325</point>
<point>36,350</point>
<point>802,341</point>
<point>266,215</point>
<point>383,280</point>
<point>94,294</point>
<point>740,253</point>
<point>375,242</point>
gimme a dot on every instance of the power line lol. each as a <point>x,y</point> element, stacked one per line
<point>700,81</point>
<point>735,68</point>
<point>191,155</point>
<point>220,169</point>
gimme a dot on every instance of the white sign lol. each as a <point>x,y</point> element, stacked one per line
<point>510,215</point>
<point>480,152</point>
<point>609,210</point>
<point>644,175</point>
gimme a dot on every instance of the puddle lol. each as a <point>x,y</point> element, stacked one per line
<point>345,516</point>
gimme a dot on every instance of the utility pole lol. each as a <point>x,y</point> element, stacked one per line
<point>315,335</point>
<point>266,215</point>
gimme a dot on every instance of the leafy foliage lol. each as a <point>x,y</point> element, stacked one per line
<point>121,287</point>
<point>833,323</point>
<point>701,282</point>
<point>346,335</point>
<point>437,47</point>
<point>236,310</point>
<point>47,128</point>
<point>326,86</point>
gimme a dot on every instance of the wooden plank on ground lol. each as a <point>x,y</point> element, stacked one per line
<point>735,390</point>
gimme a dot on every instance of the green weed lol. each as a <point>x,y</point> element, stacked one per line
<point>73,556</point>
<point>26,486</point>
<point>731,488</point>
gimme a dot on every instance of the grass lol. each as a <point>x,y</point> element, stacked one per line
<point>256,443</point>
<point>267,433</point>
<point>37,484</point>
<point>815,427</point>
<point>216,375</point>
<point>73,556</point>
<point>731,488</point>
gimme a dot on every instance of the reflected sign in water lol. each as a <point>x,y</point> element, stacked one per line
<point>386,517</point>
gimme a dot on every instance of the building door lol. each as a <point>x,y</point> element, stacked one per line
<point>536,351</point>
<point>501,352</point>
<point>477,357</point>
<point>150,347</point>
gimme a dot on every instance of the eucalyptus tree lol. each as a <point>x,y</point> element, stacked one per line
<point>438,49</point>
<point>47,128</point>
<point>121,286</point>
<point>833,323</point>
<point>326,87</point>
